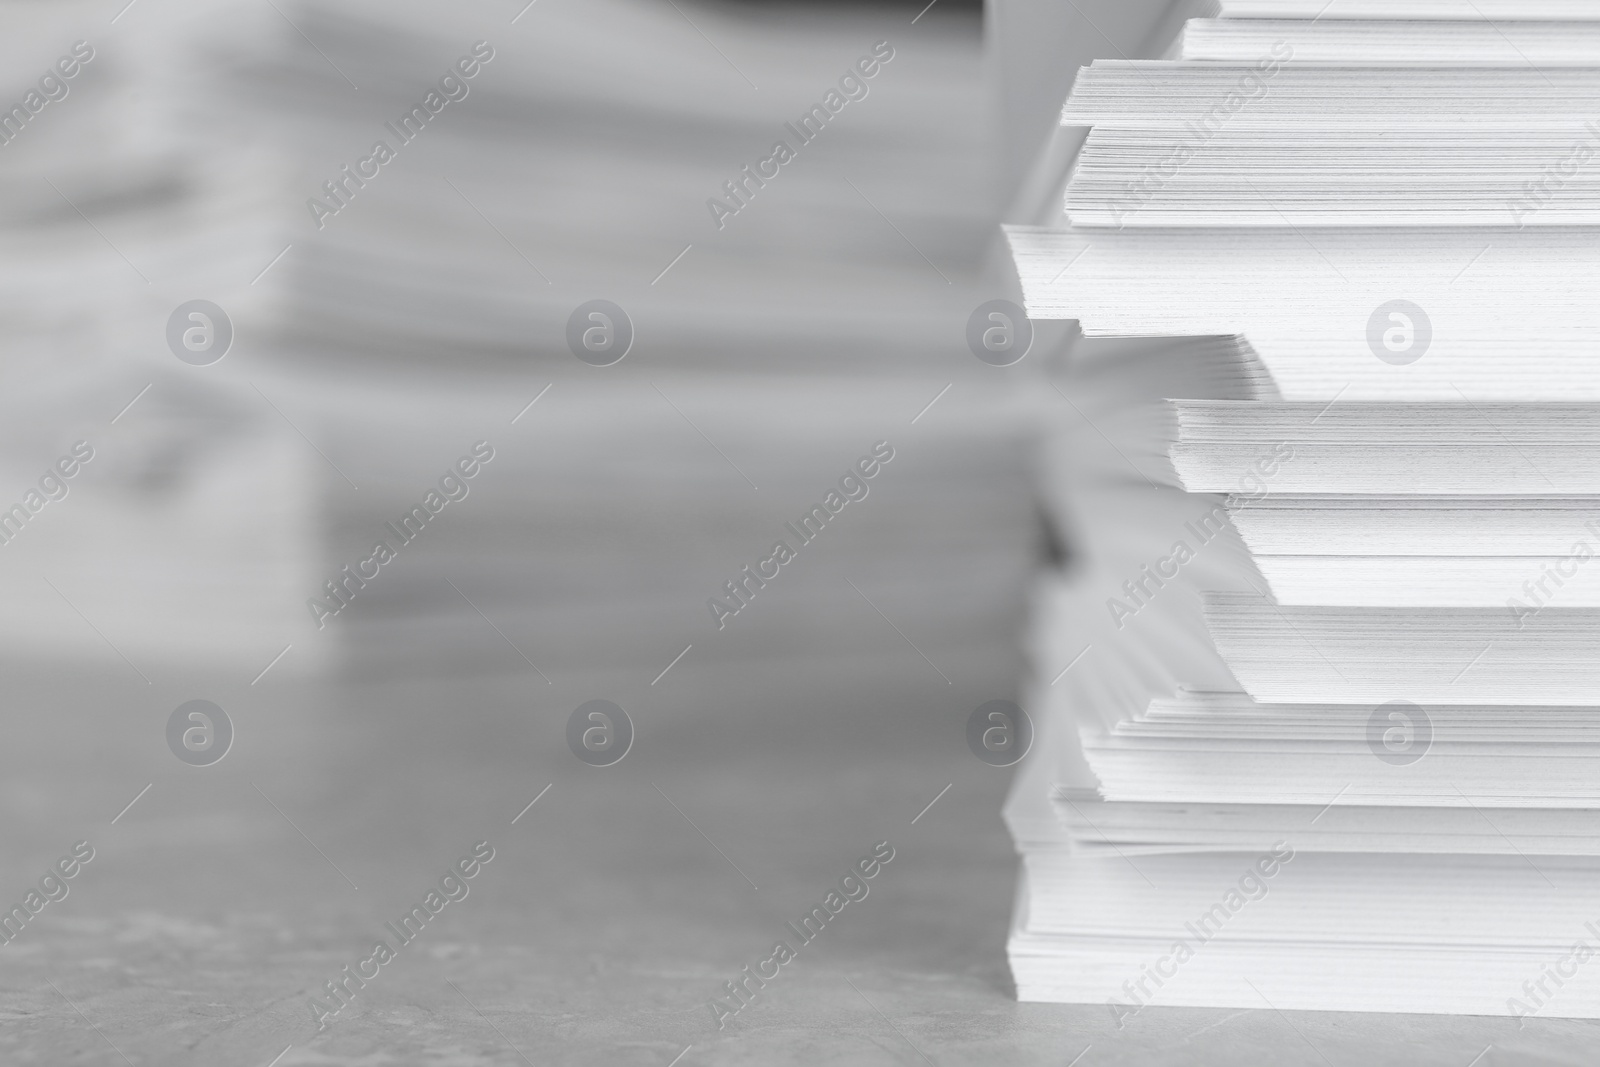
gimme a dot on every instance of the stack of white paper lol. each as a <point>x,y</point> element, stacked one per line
<point>1318,710</point>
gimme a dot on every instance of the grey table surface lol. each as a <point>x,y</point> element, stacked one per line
<point>614,908</point>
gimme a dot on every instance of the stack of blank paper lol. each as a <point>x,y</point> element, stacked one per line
<point>1319,706</point>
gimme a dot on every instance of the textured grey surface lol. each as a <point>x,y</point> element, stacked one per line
<point>606,921</point>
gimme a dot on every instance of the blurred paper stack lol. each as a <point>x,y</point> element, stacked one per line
<point>1347,761</point>
<point>453,184</point>
<point>189,507</point>
<point>390,308</point>
<point>516,193</point>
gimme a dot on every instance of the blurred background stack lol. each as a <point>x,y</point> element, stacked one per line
<point>370,352</point>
